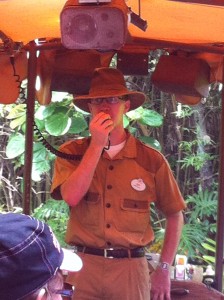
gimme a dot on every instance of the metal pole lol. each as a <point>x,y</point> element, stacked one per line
<point>32,66</point>
<point>220,212</point>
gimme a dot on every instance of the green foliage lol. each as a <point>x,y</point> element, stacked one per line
<point>146,117</point>
<point>202,205</point>
<point>54,120</point>
<point>17,114</point>
<point>191,239</point>
<point>210,246</point>
<point>79,124</point>
<point>193,156</point>
<point>151,141</point>
<point>55,214</point>
<point>142,117</point>
<point>16,145</point>
<point>58,124</point>
<point>196,161</point>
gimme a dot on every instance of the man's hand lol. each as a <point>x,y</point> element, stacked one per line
<point>160,284</point>
<point>161,278</point>
<point>100,127</point>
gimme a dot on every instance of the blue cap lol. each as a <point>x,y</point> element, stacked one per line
<point>30,255</point>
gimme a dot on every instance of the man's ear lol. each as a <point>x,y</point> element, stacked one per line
<point>127,105</point>
<point>42,295</point>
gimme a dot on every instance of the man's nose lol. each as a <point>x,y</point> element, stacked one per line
<point>104,105</point>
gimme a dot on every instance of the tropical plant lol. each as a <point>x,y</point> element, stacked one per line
<point>202,206</point>
<point>210,246</point>
<point>54,213</point>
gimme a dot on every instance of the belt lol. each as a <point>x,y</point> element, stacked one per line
<point>113,253</point>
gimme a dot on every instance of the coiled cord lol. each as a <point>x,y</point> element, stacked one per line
<point>50,148</point>
<point>18,80</point>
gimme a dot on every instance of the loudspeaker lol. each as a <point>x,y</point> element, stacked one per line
<point>133,63</point>
<point>101,26</point>
<point>182,75</point>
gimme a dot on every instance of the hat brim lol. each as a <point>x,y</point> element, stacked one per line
<point>136,99</point>
<point>71,261</point>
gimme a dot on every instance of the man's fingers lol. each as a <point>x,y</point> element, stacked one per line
<point>101,117</point>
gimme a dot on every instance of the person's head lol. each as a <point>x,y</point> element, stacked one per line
<point>108,93</point>
<point>31,259</point>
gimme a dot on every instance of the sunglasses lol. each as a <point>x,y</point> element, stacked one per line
<point>109,100</point>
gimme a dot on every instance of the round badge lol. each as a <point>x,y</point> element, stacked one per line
<point>138,185</point>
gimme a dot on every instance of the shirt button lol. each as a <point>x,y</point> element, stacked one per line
<point>109,244</point>
<point>108,225</point>
<point>109,187</point>
<point>111,167</point>
<point>108,205</point>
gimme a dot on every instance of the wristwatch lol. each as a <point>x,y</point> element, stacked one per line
<point>164,266</point>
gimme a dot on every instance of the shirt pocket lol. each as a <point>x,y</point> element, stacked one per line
<point>88,210</point>
<point>132,216</point>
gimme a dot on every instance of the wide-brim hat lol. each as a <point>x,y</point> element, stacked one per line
<point>109,82</point>
<point>30,256</point>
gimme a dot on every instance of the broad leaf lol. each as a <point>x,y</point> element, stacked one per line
<point>78,125</point>
<point>151,118</point>
<point>57,124</point>
<point>151,141</point>
<point>44,111</point>
<point>18,122</point>
<point>40,124</point>
<point>40,162</point>
<point>146,117</point>
<point>15,146</point>
<point>17,111</point>
<point>135,114</point>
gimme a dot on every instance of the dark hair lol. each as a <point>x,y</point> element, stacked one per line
<point>55,283</point>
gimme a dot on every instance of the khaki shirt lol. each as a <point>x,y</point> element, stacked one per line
<point>116,210</point>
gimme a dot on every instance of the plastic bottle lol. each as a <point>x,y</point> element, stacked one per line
<point>180,269</point>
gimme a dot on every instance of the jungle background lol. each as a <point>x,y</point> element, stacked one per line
<point>188,136</point>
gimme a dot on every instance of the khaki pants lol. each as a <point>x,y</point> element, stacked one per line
<point>111,279</point>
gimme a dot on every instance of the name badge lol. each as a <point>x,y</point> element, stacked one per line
<point>138,185</point>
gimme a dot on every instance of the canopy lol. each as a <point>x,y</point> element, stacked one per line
<point>173,21</point>
<point>193,28</point>
<point>190,28</point>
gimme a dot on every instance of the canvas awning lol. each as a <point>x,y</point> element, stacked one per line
<point>179,22</point>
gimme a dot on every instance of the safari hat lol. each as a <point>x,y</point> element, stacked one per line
<point>30,256</point>
<point>109,82</point>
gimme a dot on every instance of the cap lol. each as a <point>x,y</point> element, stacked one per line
<point>30,255</point>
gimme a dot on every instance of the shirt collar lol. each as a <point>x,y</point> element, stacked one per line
<point>129,150</point>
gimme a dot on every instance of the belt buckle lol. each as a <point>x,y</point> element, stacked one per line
<point>105,253</point>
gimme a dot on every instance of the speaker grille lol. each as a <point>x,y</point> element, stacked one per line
<point>101,28</point>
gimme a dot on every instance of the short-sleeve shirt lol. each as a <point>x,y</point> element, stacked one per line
<point>115,212</point>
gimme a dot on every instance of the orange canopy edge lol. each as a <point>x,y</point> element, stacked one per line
<point>167,21</point>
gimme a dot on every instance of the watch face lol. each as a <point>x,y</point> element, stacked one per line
<point>164,266</point>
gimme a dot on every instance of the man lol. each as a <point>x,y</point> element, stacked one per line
<point>109,192</point>
<point>30,259</point>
